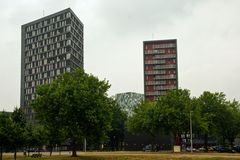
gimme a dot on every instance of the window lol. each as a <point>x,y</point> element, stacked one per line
<point>58,45</point>
<point>68,42</point>
<point>68,15</point>
<point>68,69</point>
<point>68,56</point>
<point>45,61</point>
<point>58,71</point>
<point>68,28</point>
<point>45,35</point>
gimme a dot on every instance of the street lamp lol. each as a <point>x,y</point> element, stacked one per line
<point>191,142</point>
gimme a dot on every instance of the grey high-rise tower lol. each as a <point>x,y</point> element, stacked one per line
<point>50,46</point>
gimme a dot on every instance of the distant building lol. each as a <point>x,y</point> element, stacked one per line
<point>129,100</point>
<point>160,67</point>
<point>50,46</point>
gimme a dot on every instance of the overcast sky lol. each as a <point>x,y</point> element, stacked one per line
<point>207,32</point>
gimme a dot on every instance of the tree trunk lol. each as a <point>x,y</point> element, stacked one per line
<point>51,149</point>
<point>152,142</point>
<point>74,150</point>
<point>206,142</point>
<point>15,154</point>
<point>59,150</point>
<point>74,153</point>
<point>113,143</point>
<point>223,142</point>
<point>117,144</point>
<point>28,151</point>
<point>231,142</point>
<point>1,153</point>
<point>84,145</point>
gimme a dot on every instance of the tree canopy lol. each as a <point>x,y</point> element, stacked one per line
<point>174,111</point>
<point>77,105</point>
<point>118,124</point>
<point>5,128</point>
<point>211,115</point>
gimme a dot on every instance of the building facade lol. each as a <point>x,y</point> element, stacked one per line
<point>160,68</point>
<point>49,46</point>
<point>128,101</point>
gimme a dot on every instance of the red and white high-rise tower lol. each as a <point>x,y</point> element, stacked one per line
<point>160,68</point>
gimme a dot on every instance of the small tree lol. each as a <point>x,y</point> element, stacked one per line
<point>211,106</point>
<point>48,106</point>
<point>29,137</point>
<point>145,119</point>
<point>118,124</point>
<point>5,128</point>
<point>35,137</point>
<point>16,134</point>
<point>18,117</point>
<point>173,112</point>
<point>227,122</point>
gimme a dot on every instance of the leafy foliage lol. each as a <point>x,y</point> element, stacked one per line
<point>174,111</point>
<point>118,125</point>
<point>227,122</point>
<point>76,104</point>
<point>145,119</point>
<point>211,115</point>
<point>5,128</point>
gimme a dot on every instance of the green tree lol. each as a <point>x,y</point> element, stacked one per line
<point>18,117</point>
<point>5,128</point>
<point>29,137</point>
<point>35,137</point>
<point>80,105</point>
<point>16,134</point>
<point>118,124</point>
<point>227,122</point>
<point>54,136</point>
<point>174,112</point>
<point>48,106</point>
<point>145,119</point>
<point>211,105</point>
<point>234,127</point>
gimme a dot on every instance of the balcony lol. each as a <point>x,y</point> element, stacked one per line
<point>168,66</point>
<point>155,62</point>
<point>155,72</point>
<point>165,56</point>
<point>165,87</point>
<point>156,93</point>
<point>154,51</point>
<point>165,45</point>
<point>155,82</point>
<point>171,76</point>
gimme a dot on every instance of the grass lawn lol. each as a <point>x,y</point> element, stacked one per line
<point>132,156</point>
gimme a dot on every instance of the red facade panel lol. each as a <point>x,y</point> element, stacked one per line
<point>160,67</point>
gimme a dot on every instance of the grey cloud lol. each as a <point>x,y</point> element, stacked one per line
<point>207,33</point>
<point>133,16</point>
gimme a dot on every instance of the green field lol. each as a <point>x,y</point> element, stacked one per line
<point>131,156</point>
